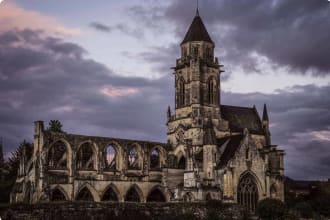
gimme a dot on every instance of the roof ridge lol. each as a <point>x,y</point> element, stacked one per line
<point>235,106</point>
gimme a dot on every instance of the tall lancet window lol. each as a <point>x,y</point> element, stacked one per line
<point>181,93</point>
<point>211,93</point>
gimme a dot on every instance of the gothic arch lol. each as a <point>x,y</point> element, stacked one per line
<point>67,155</point>
<point>161,157</point>
<point>156,194</point>
<point>212,91</point>
<point>247,191</point>
<point>273,191</point>
<point>188,197</point>
<point>111,193</point>
<point>181,93</point>
<point>135,157</point>
<point>118,157</point>
<point>134,194</point>
<point>58,194</point>
<point>83,191</point>
<point>80,155</point>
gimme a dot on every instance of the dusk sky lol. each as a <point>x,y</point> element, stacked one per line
<point>103,68</point>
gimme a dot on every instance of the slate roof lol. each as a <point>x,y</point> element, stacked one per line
<point>231,148</point>
<point>197,31</point>
<point>242,117</point>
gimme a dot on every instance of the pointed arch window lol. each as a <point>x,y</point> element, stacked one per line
<point>181,93</point>
<point>211,86</point>
<point>85,157</point>
<point>156,196</point>
<point>57,195</point>
<point>247,192</point>
<point>57,156</point>
<point>110,155</point>
<point>182,163</point>
<point>132,195</point>
<point>155,159</point>
<point>133,158</point>
<point>85,195</point>
<point>110,195</point>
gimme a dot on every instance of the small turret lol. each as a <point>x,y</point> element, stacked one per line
<point>265,124</point>
<point>265,119</point>
<point>169,113</point>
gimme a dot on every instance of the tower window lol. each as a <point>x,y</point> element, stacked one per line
<point>181,93</point>
<point>211,94</point>
<point>195,52</point>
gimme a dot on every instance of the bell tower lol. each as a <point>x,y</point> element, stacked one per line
<point>196,121</point>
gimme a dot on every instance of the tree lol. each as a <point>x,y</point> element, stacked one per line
<point>271,209</point>
<point>55,126</point>
<point>11,167</point>
<point>14,159</point>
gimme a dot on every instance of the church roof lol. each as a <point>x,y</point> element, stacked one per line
<point>242,117</point>
<point>197,31</point>
<point>231,148</point>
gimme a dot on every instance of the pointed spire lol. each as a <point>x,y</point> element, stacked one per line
<point>197,11</point>
<point>197,31</point>
<point>265,114</point>
<point>169,113</point>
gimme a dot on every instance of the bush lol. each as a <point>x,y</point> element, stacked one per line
<point>304,209</point>
<point>271,209</point>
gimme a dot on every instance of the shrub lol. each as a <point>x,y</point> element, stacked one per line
<point>271,209</point>
<point>304,209</point>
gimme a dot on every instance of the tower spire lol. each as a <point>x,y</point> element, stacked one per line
<point>197,11</point>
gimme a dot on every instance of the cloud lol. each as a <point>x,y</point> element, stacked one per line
<point>44,78</point>
<point>100,27</point>
<point>12,16</point>
<point>123,28</point>
<point>286,33</point>
<point>118,91</point>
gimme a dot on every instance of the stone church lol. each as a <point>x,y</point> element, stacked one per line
<point>213,151</point>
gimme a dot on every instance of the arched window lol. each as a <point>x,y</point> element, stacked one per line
<point>247,192</point>
<point>133,158</point>
<point>156,196</point>
<point>273,192</point>
<point>208,197</point>
<point>57,156</point>
<point>182,163</point>
<point>110,158</point>
<point>85,195</point>
<point>196,53</point>
<point>181,93</point>
<point>85,160</point>
<point>132,195</point>
<point>57,195</point>
<point>211,91</point>
<point>188,197</point>
<point>110,195</point>
<point>154,159</point>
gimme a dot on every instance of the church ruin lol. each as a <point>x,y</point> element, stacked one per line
<point>213,151</point>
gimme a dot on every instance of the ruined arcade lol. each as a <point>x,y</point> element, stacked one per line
<point>213,151</point>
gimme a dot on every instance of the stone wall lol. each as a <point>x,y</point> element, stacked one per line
<point>120,211</point>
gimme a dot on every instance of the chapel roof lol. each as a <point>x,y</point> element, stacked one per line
<point>230,149</point>
<point>242,117</point>
<point>197,31</point>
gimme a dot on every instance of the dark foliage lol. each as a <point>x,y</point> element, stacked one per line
<point>55,126</point>
<point>11,167</point>
<point>271,209</point>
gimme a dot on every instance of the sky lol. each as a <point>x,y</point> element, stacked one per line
<point>104,68</point>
